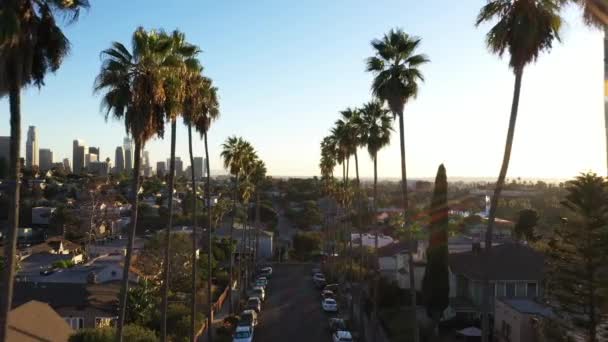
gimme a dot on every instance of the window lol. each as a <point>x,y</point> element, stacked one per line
<point>75,322</point>
<point>521,289</point>
<point>101,322</point>
<point>510,290</point>
<point>532,290</point>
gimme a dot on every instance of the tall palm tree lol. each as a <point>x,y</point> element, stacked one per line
<point>183,61</point>
<point>247,189</point>
<point>396,70</point>
<point>31,45</point>
<point>233,152</point>
<point>595,14</point>
<point>258,176</point>
<point>524,29</point>
<point>201,107</point>
<point>133,92</point>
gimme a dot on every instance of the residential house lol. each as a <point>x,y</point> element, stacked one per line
<point>393,261</point>
<point>369,240</point>
<point>266,240</point>
<point>80,305</point>
<point>41,216</point>
<point>35,321</point>
<point>514,270</point>
<point>515,319</point>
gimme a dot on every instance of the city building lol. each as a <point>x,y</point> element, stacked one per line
<point>89,158</point>
<point>66,165</point>
<point>161,169</point>
<point>119,160</point>
<point>31,148</point>
<point>145,159</point>
<point>198,168</point>
<point>128,150</point>
<point>5,144</point>
<point>45,156</point>
<point>94,150</point>
<point>179,167</point>
<point>100,168</point>
<point>79,149</point>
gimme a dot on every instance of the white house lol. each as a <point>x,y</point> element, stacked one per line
<point>393,260</point>
<point>514,319</point>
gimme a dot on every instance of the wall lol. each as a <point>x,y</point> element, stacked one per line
<point>506,314</point>
<point>88,314</point>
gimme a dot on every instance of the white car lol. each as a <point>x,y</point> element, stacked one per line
<point>318,277</point>
<point>342,336</point>
<point>243,334</point>
<point>329,305</point>
<point>259,292</point>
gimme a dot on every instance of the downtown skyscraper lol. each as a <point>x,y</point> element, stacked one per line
<point>79,150</point>
<point>128,150</point>
<point>46,159</point>
<point>119,160</point>
<point>31,148</point>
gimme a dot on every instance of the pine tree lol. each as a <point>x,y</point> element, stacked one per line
<point>577,255</point>
<point>436,284</point>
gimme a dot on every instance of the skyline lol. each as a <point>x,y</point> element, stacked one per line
<point>467,89</point>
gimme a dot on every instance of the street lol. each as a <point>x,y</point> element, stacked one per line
<point>292,312</point>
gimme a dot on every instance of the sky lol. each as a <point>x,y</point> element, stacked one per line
<point>285,69</point>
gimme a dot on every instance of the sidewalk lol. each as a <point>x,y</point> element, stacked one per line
<point>218,317</point>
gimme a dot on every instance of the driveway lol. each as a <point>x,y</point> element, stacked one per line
<point>292,312</point>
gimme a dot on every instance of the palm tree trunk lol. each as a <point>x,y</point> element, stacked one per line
<point>236,187</point>
<point>166,269</point>
<point>10,244</point>
<point>257,230</point>
<point>409,236</point>
<point>124,288</point>
<point>377,261</point>
<point>194,244</point>
<point>209,243</point>
<point>606,86</point>
<point>494,203</point>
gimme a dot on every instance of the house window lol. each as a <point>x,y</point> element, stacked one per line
<point>75,322</point>
<point>510,290</point>
<point>101,322</point>
<point>531,290</point>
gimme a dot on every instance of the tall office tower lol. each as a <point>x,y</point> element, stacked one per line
<point>119,159</point>
<point>79,149</point>
<point>95,150</point>
<point>5,144</point>
<point>205,167</point>
<point>90,158</point>
<point>161,169</point>
<point>179,167</point>
<point>66,165</point>
<point>145,160</point>
<point>45,156</point>
<point>128,150</point>
<point>198,168</point>
<point>31,148</point>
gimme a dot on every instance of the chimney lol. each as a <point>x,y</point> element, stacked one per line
<point>476,248</point>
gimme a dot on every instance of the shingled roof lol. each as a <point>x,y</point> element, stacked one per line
<point>36,321</point>
<point>510,261</point>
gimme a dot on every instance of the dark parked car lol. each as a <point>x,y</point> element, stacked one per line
<point>336,324</point>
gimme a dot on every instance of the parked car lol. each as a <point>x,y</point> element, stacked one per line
<point>318,277</point>
<point>335,288</point>
<point>243,334</point>
<point>327,294</point>
<point>329,305</point>
<point>263,280</point>
<point>316,270</point>
<point>266,271</point>
<point>47,271</point>
<point>336,324</point>
<point>255,304</point>
<point>248,318</point>
<point>342,336</point>
<point>258,291</point>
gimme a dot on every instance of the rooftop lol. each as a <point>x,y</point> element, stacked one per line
<point>509,261</point>
<point>49,325</point>
<point>527,306</point>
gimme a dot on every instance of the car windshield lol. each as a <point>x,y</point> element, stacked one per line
<point>244,334</point>
<point>330,301</point>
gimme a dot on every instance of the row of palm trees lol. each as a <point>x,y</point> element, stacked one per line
<point>249,171</point>
<point>395,66</point>
<point>158,81</point>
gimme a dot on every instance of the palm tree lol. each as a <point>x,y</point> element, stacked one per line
<point>396,69</point>
<point>183,63</point>
<point>201,107</point>
<point>133,92</point>
<point>595,14</point>
<point>247,189</point>
<point>31,45</point>
<point>258,176</point>
<point>233,152</point>
<point>524,29</point>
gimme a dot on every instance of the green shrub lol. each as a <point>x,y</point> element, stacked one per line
<point>132,333</point>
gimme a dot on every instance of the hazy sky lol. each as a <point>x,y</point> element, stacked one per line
<point>285,68</point>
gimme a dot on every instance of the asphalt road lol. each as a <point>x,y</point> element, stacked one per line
<point>292,311</point>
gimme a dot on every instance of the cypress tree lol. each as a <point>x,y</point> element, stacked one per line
<point>436,284</point>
